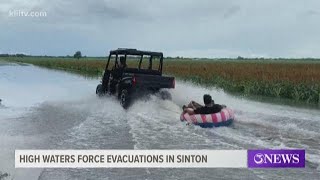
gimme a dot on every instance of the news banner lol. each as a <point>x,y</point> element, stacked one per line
<point>255,158</point>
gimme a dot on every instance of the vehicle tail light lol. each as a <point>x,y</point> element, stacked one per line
<point>134,81</point>
<point>174,83</point>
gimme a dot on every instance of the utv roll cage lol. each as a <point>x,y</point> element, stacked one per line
<point>125,52</point>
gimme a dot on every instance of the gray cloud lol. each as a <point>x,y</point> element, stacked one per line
<point>231,11</point>
<point>212,28</point>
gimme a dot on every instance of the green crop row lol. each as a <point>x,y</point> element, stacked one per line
<point>296,81</point>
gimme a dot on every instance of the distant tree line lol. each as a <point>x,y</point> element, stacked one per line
<point>13,55</point>
<point>77,55</point>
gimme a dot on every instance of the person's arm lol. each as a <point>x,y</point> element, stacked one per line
<point>217,107</point>
<point>198,111</point>
<point>190,111</point>
<point>192,105</point>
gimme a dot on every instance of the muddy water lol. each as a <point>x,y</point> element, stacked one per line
<point>45,109</point>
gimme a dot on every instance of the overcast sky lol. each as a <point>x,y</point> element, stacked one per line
<point>189,28</point>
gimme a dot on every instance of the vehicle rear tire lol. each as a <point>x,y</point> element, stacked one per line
<point>99,91</point>
<point>124,99</point>
<point>165,95</point>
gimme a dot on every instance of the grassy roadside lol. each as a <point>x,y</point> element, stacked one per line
<point>297,80</point>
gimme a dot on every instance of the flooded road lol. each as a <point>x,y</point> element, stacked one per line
<point>46,109</point>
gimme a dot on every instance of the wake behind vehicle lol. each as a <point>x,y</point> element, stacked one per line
<point>134,73</point>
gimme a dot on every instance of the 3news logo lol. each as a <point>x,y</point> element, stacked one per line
<point>291,158</point>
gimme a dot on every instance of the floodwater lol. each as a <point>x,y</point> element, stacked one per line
<point>46,109</point>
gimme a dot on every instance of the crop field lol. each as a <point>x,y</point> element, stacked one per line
<point>292,79</point>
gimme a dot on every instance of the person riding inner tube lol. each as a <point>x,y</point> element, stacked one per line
<point>209,106</point>
<point>207,116</point>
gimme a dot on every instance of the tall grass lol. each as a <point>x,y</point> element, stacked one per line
<point>298,80</point>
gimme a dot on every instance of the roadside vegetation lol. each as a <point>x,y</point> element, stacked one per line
<point>292,79</point>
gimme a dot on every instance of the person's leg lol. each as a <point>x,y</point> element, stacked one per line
<point>190,105</point>
<point>184,107</point>
<point>188,110</point>
<point>196,105</point>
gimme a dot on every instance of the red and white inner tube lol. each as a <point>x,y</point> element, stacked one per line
<point>224,115</point>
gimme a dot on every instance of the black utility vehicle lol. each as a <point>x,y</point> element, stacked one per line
<point>135,73</point>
